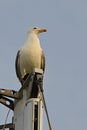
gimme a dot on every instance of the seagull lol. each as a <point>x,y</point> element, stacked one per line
<point>30,55</point>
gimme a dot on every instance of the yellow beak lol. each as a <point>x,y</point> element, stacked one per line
<point>42,30</point>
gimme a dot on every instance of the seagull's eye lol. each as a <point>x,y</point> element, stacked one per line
<point>34,28</point>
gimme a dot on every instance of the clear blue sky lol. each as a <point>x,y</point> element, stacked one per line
<point>65,47</point>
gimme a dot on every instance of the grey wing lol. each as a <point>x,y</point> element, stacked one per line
<point>43,61</point>
<point>17,66</point>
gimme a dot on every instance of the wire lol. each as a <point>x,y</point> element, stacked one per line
<point>49,123</point>
<point>6,119</point>
<point>40,86</point>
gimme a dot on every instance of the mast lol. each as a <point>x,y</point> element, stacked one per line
<point>27,104</point>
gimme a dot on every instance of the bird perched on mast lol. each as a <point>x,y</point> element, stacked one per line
<point>31,55</point>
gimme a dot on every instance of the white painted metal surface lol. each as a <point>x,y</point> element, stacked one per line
<point>25,114</point>
<point>33,107</point>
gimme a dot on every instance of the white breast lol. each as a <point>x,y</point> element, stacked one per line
<point>30,58</point>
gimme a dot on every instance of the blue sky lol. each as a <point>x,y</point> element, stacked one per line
<point>65,47</point>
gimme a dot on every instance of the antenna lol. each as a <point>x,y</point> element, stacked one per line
<point>27,104</point>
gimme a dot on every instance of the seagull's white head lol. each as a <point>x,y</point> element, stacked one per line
<point>36,30</point>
